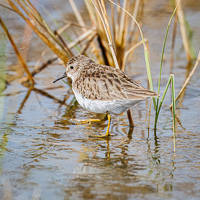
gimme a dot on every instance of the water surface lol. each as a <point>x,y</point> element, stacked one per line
<point>43,155</point>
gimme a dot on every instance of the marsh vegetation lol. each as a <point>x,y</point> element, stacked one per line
<point>44,155</point>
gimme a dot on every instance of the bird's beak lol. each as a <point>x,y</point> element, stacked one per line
<point>64,76</point>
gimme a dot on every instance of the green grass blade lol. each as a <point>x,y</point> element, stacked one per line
<point>163,52</point>
<point>161,102</point>
<point>157,105</point>
<point>164,47</point>
<point>164,94</point>
<point>146,55</point>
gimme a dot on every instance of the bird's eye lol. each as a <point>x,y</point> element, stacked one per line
<point>71,67</point>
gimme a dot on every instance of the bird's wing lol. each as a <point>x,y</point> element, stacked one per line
<point>115,84</point>
<point>107,83</point>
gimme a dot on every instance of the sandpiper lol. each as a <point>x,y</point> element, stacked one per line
<point>103,89</point>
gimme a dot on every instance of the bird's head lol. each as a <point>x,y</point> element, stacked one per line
<point>74,67</point>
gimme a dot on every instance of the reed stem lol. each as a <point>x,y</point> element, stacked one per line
<point>23,63</point>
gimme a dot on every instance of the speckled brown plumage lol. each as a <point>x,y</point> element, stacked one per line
<point>100,82</point>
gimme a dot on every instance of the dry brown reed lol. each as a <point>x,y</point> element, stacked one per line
<point>185,39</point>
<point>186,82</point>
<point>33,18</point>
<point>23,63</point>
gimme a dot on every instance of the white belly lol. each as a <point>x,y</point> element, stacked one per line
<point>101,106</point>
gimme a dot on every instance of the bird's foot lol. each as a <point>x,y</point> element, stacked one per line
<point>87,121</point>
<point>107,135</point>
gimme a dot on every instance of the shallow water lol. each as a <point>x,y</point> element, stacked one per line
<point>43,155</point>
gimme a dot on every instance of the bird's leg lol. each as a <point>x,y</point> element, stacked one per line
<point>108,128</point>
<point>130,119</point>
